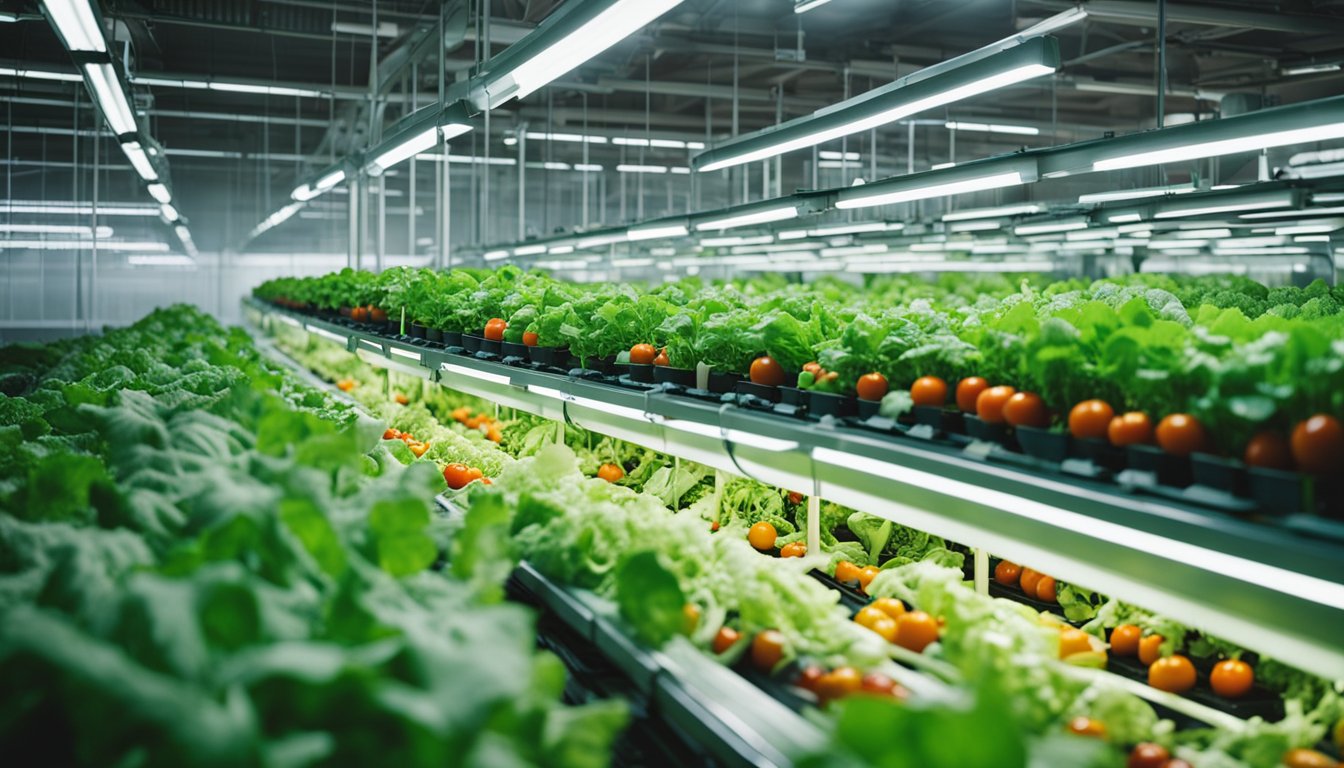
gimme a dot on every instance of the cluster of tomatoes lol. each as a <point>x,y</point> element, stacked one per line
<point>1033,583</point>
<point>647,354</point>
<point>495,328</point>
<point>459,476</point>
<point>484,423</point>
<point>888,617</point>
<point>762,537</point>
<point>767,372</point>
<point>1230,678</point>
<point>369,314</point>
<point>418,447</point>
<point>1316,444</point>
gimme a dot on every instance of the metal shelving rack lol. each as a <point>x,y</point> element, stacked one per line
<point>1265,587</point>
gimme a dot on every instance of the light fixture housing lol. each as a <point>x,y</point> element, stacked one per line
<point>417,132</point>
<point>578,31</point>
<point>159,191</point>
<point>658,230</point>
<point>1031,59</point>
<point>109,90</point>
<point>140,161</point>
<point>79,24</point>
<point>994,173</point>
<point>763,212</point>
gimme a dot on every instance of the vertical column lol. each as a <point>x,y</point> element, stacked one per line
<point>352,210</point>
<point>522,184</point>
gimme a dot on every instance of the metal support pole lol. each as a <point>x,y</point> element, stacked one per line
<point>93,260</point>
<point>410,213</point>
<point>522,184</point>
<point>380,254</point>
<point>779,159</point>
<point>446,218</point>
<point>352,210</point>
<point>485,167</point>
<point>1161,62</point>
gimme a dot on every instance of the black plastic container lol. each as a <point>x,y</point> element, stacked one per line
<point>452,339</point>
<point>640,373</point>
<point>471,343</point>
<point>433,335</point>
<point>514,350</point>
<point>418,331</point>
<point>542,355</point>
<point>1043,444</point>
<point>344,312</point>
<point>826,404</point>
<point>492,347</point>
<point>757,390</point>
<point>720,383</point>
<point>1219,473</point>
<point>682,377</point>
<point>793,396</point>
<point>1280,492</point>
<point>869,408</point>
<point>986,431</point>
<point>1169,469</point>
<point>603,365</point>
<point>939,419</point>
<point>1099,452</point>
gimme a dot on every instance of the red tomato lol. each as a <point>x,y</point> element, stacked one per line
<point>642,354</point>
<point>932,391</point>
<point>989,405</point>
<point>1133,428</point>
<point>494,330</point>
<point>968,391</point>
<point>1007,573</point>
<point>529,338</point>
<point>766,372</point>
<point>1232,678</point>
<point>1318,444</point>
<point>1181,434</point>
<point>872,386</point>
<point>1090,419</point>
<point>1026,409</point>
<point>457,476</point>
<point>1148,755</point>
<point>726,638</point>
<point>1268,449</point>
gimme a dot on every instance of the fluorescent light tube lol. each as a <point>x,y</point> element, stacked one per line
<point>803,6</point>
<point>994,213</point>
<point>762,216</point>
<point>529,250</point>
<point>41,74</point>
<point>656,231</point>
<point>1050,227</point>
<point>1228,204</point>
<point>110,97</point>
<point>78,209</point>
<point>941,166</point>
<point>1251,142</point>
<point>974,177</point>
<point>828,154</point>
<point>385,29</point>
<point>267,90</point>
<point>56,229</point>
<point>594,241</point>
<point>413,145</point>
<point>139,160</point>
<point>330,180</point>
<point>495,255</point>
<point>982,225</point>
<point>565,137</point>
<point>172,260</point>
<point>847,229</point>
<point>1032,59</point>
<point>1135,194</point>
<point>617,21</point>
<point>555,166</point>
<point>1311,229</point>
<point>168,212</point>
<point>160,193</point>
<point>77,24</point>
<point>303,193</point>
<point>624,168</point>
<point>719,242</point>
<point>587,168</point>
<point>1018,130</point>
<point>80,245</point>
<point>560,249</point>
<point>1311,69</point>
<point>622,263</point>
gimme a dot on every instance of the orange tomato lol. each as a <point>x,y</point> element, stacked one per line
<point>661,358</point>
<point>886,627</point>
<point>391,434</point>
<point>1308,758</point>
<point>812,368</point>
<point>418,449</point>
<point>1073,641</point>
<point>1045,590</point>
<point>1026,409</point>
<point>1268,449</point>
<point>838,683</point>
<point>456,476</point>
<point>494,330</point>
<point>916,630</point>
<point>989,405</point>
<point>1318,444</point>
<point>1150,649</point>
<point>1090,419</point>
<point>643,354</point>
<point>872,386</point>
<point>793,549</point>
<point>494,435</point>
<point>377,314</point>
<point>461,414</point>
<point>1125,640</point>
<point>345,385</point>
<point>968,391</point>
<point>866,575</point>
<point>890,606</point>
<point>476,474</point>
<point>869,615</point>
<point>610,472</point>
<point>931,391</point>
<point>360,314</point>
<point>690,618</point>
<point>401,399</point>
<point>807,679</point>
<point>1232,678</point>
<point>1086,726</point>
<point>726,638</point>
<point>1181,434</point>
<point>1148,755</point>
<point>530,338</point>
<point>767,649</point>
<point>846,572</point>
<point>1133,428</point>
<point>766,372</point>
<point>1174,674</point>
<point>762,536</point>
<point>1007,573</point>
<point>1029,580</point>
<point>878,684</point>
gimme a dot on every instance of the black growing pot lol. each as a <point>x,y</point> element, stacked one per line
<point>770,394</point>
<point>1043,444</point>
<point>640,372</point>
<point>344,312</point>
<point>492,346</point>
<point>1099,452</point>
<point>418,331</point>
<point>869,408</point>
<point>793,396</point>
<point>603,365</point>
<point>1217,472</point>
<point>929,416</point>
<point>471,343</point>
<point>542,355</point>
<point>514,350</point>
<point>666,374</point>
<point>723,382</point>
<point>826,404</point>
<point>434,335</point>
<point>1280,491</point>
<point>1170,470</point>
<point>452,339</point>
<point>984,430</point>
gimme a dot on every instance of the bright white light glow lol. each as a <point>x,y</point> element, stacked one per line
<point>594,241</point>
<point>803,6</point>
<point>168,212</point>
<point>56,229</point>
<point>764,216</point>
<point>830,154</point>
<point>983,225</point>
<point>1230,206</point>
<point>1134,194</point>
<point>78,209</point>
<point>495,255</point>
<point>984,85</point>
<point>566,137</point>
<point>624,168</point>
<point>720,242</point>
<point>80,245</point>
<point>1202,234</point>
<point>1311,229</point>
<point>555,166</point>
<point>1311,69</point>
<point>995,181</point>
<point>267,90</point>
<point>560,249</point>
<point>172,260</point>
<point>657,231</point>
<point>399,352</point>
<point>385,29</point>
<point>110,97</point>
<point>1231,146</point>
<point>303,193</point>
<point>160,193</point>
<point>41,74</point>
<point>604,30</point>
<point>994,213</point>
<point>139,160</point>
<point>587,168</point>
<point>941,166</point>
<point>1018,130</point>
<point>472,373</point>
<point>850,229</point>
<point>663,143</point>
<point>77,24</point>
<point>1050,227</point>
<point>529,250</point>
<point>330,180</point>
<point>624,263</point>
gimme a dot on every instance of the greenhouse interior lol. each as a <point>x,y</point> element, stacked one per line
<point>574,383</point>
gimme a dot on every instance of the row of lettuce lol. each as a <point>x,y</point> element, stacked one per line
<point>1239,357</point>
<point>206,562</point>
<point>676,548</point>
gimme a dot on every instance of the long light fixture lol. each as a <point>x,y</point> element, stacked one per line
<point>169,213</point>
<point>160,192</point>
<point>78,209</point>
<point>140,161</point>
<point>111,97</point>
<point>803,6</point>
<point>1228,203</point>
<point>80,245</point>
<point>1018,130</point>
<point>1002,212</point>
<point>41,74</point>
<point>1315,121</point>
<point>78,24</point>
<point>1032,59</point>
<point>630,168</point>
<point>416,133</point>
<point>758,214</point>
<point>168,260</point>
<point>657,231</point>
<point>57,229</point>
<point>1135,194</point>
<point>972,177</point>
<point>268,90</point>
<point>568,38</point>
